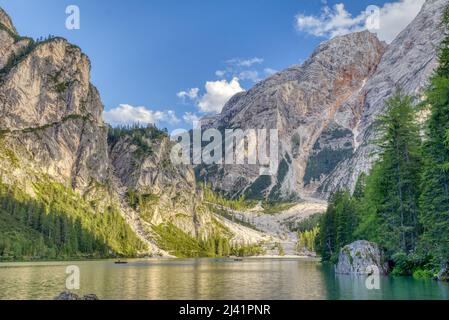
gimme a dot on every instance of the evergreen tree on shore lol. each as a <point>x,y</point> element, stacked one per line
<point>435,196</point>
<point>394,185</point>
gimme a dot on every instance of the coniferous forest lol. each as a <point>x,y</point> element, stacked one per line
<point>59,224</point>
<point>403,204</point>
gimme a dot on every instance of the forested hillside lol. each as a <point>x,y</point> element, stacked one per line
<point>59,224</point>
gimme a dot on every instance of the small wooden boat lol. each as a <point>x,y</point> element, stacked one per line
<point>121,262</point>
<point>234,258</point>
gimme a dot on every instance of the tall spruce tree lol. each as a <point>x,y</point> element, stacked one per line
<point>337,226</point>
<point>393,186</point>
<point>434,213</point>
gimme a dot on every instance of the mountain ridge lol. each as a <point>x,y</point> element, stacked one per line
<point>329,152</point>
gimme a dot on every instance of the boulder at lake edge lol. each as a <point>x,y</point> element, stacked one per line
<point>443,275</point>
<point>358,258</point>
<point>67,295</point>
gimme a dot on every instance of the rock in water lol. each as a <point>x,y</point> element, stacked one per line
<point>443,275</point>
<point>90,297</point>
<point>67,295</point>
<point>359,258</point>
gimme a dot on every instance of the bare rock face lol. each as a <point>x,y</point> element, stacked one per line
<point>69,296</point>
<point>308,105</point>
<point>325,110</point>
<point>170,189</point>
<point>407,64</point>
<point>10,42</point>
<point>50,114</point>
<point>361,257</point>
<point>5,20</point>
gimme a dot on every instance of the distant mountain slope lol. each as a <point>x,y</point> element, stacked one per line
<point>325,109</point>
<point>407,64</point>
<point>304,103</point>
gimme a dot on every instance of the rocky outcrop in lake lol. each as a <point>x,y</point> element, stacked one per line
<point>69,296</point>
<point>443,275</point>
<point>361,257</point>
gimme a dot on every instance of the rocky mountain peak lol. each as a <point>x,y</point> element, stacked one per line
<point>300,102</point>
<point>325,109</point>
<point>6,21</point>
<point>407,64</point>
<point>54,77</point>
<point>351,41</point>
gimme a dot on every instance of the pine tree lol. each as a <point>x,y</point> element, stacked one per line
<point>326,243</point>
<point>434,213</point>
<point>393,187</point>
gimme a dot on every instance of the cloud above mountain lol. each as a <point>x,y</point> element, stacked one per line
<point>334,21</point>
<point>190,94</point>
<point>126,114</point>
<point>217,93</point>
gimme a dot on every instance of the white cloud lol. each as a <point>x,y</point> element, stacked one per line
<point>127,114</point>
<point>245,69</point>
<point>396,16</point>
<point>190,117</point>
<point>220,73</point>
<point>252,75</point>
<point>245,62</point>
<point>270,71</point>
<point>335,21</point>
<point>217,94</point>
<point>191,94</point>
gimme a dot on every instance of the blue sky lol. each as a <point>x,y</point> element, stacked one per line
<point>160,54</point>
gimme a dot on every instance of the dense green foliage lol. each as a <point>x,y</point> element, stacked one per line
<point>434,199</point>
<point>140,136</point>
<point>180,244</point>
<point>58,224</point>
<point>306,224</point>
<point>231,217</point>
<point>392,191</point>
<point>258,189</point>
<point>324,162</point>
<point>337,225</point>
<point>217,198</point>
<point>137,200</point>
<point>307,239</point>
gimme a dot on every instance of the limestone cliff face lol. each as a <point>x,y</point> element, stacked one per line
<point>308,105</point>
<point>50,114</point>
<point>325,109</point>
<point>5,20</point>
<point>407,64</point>
<point>170,190</point>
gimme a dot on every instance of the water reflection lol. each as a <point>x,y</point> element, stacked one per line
<point>207,279</point>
